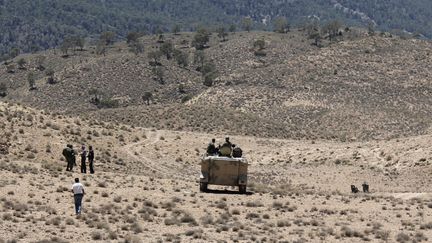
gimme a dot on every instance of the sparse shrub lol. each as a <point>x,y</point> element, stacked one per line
<point>171,221</point>
<point>3,90</point>
<point>48,148</point>
<point>69,221</point>
<point>181,58</point>
<point>277,205</point>
<point>96,235</point>
<point>112,235</point>
<point>259,44</point>
<point>186,98</point>
<point>382,234</point>
<point>159,74</point>
<point>107,103</point>
<point>221,205</point>
<point>155,56</point>
<point>283,223</point>
<point>147,96</point>
<point>168,205</point>
<point>102,184</point>
<point>136,228</point>
<point>21,63</point>
<point>31,155</point>
<point>419,237</point>
<point>54,221</point>
<point>7,217</point>
<point>50,76</point>
<point>31,79</point>
<point>107,37</point>
<point>252,215</point>
<point>281,25</point>
<point>188,218</point>
<point>117,199</point>
<point>202,36</point>
<point>402,237</point>
<point>235,212</point>
<point>254,204</point>
<point>207,219</point>
<point>247,23</point>
<point>426,226</point>
<point>167,49</point>
<point>136,47</point>
<point>260,53</point>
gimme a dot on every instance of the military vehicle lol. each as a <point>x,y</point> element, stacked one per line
<point>223,171</point>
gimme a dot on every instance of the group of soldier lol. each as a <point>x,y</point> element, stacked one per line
<point>70,155</point>
<point>227,149</point>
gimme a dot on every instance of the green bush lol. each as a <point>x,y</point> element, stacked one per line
<point>107,103</point>
<point>3,90</point>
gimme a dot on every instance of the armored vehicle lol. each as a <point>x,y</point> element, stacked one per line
<point>224,171</point>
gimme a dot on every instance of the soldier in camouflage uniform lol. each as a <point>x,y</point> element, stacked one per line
<point>211,148</point>
<point>67,153</point>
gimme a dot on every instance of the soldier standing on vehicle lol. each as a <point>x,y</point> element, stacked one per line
<point>226,148</point>
<point>237,152</point>
<point>227,143</point>
<point>211,148</point>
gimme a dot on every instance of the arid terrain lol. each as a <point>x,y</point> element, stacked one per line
<point>311,122</point>
<point>357,89</point>
<point>145,187</point>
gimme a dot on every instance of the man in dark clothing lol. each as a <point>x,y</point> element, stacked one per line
<point>67,153</point>
<point>211,148</point>
<point>73,154</point>
<point>226,148</point>
<point>227,143</point>
<point>237,152</point>
<point>91,158</point>
<point>83,159</point>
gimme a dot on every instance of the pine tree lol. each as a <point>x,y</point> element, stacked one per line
<point>247,23</point>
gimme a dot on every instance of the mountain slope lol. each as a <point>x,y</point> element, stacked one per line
<point>360,88</point>
<point>39,24</point>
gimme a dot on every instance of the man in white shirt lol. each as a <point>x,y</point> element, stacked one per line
<point>78,191</point>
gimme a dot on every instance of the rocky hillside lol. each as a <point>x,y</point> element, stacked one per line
<point>32,25</point>
<point>357,88</point>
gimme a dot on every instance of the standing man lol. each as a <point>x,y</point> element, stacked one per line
<point>227,142</point>
<point>91,158</point>
<point>226,148</point>
<point>211,148</point>
<point>73,156</point>
<point>83,159</point>
<point>78,191</point>
<point>67,153</point>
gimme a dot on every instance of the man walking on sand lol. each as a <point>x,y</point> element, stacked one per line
<point>78,191</point>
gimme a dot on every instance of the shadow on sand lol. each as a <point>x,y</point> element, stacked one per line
<point>229,192</point>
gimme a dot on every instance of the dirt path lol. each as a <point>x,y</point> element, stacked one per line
<point>411,195</point>
<point>143,163</point>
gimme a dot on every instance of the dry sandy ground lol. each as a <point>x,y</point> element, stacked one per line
<point>145,188</point>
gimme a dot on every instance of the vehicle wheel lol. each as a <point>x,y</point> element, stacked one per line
<point>203,186</point>
<point>242,189</point>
